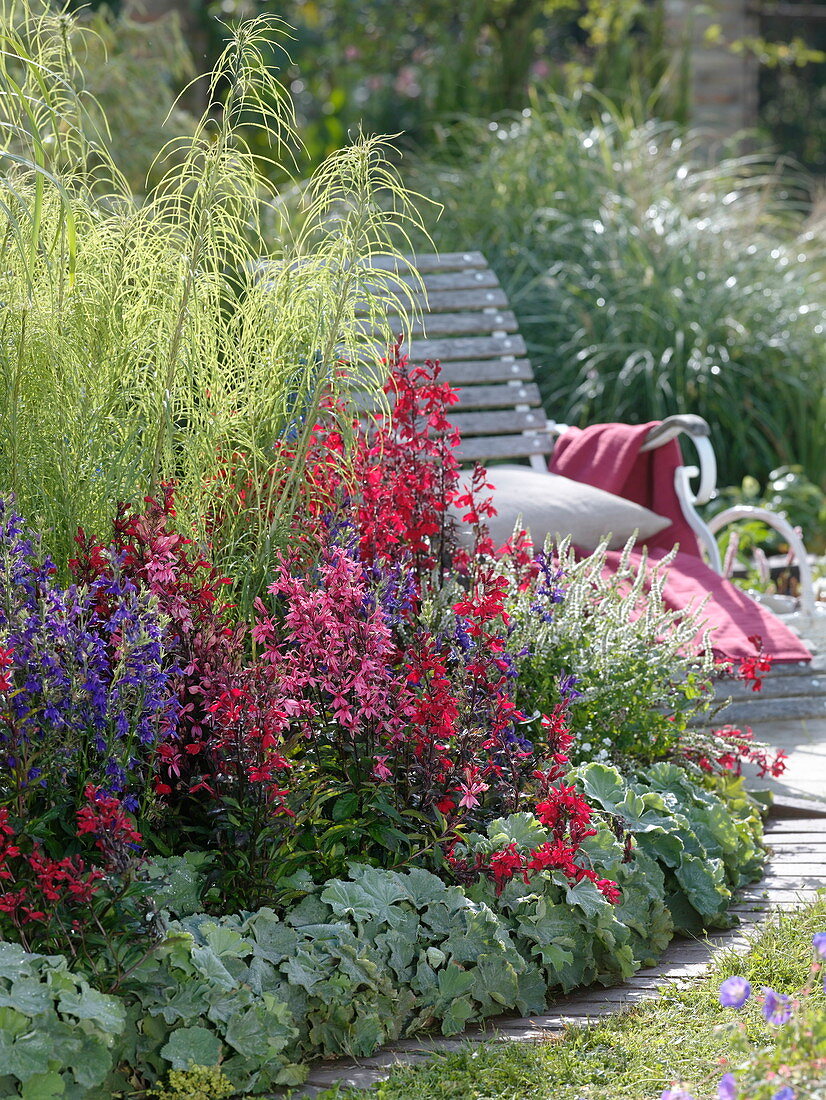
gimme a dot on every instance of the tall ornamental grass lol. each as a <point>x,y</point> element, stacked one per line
<point>140,343</point>
<point>647,279</point>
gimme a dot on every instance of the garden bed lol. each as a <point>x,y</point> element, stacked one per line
<point>294,759</point>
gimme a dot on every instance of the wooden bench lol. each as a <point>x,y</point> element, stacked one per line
<point>470,328</point>
<point>468,325</point>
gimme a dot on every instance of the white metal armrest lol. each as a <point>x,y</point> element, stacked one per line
<point>782,525</point>
<point>699,432</point>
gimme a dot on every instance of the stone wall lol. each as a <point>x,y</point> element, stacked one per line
<point>723,84</point>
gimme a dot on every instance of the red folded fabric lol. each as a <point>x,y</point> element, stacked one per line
<point>608,456</point>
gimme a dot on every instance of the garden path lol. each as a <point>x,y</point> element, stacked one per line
<point>789,714</point>
<point>795,871</point>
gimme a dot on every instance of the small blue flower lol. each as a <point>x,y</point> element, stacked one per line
<point>734,992</point>
<point>776,1007</point>
<point>727,1087</point>
<point>786,1093</point>
<point>819,943</point>
<point>676,1092</point>
<point>568,687</point>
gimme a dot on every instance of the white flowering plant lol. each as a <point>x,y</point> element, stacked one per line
<point>629,666</point>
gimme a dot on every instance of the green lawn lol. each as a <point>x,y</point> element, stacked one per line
<point>636,1055</point>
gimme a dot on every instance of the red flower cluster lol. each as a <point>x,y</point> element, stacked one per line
<point>6,656</point>
<point>244,747</point>
<point>751,667</point>
<point>52,894</point>
<point>736,747</point>
<point>105,819</point>
<point>402,472</point>
<point>560,809</point>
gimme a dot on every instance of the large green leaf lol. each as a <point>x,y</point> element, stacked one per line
<point>305,970</point>
<point>92,1064</point>
<point>186,1002</point>
<point>454,982</point>
<point>87,1004</point>
<point>210,967</point>
<point>522,829</point>
<point>273,940</point>
<point>260,1032</point>
<point>43,1086</point>
<point>192,1046</point>
<point>703,883</point>
<point>374,894</point>
<point>457,1014</point>
<point>587,897</point>
<point>15,962</point>
<point>496,979</point>
<point>423,888</point>
<point>666,847</point>
<point>602,784</point>
<point>27,995</point>
<point>226,942</point>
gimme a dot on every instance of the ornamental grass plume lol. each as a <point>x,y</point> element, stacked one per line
<point>141,342</point>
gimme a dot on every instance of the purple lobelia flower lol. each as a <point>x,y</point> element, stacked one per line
<point>676,1092</point>
<point>90,674</point>
<point>568,687</point>
<point>734,992</point>
<point>548,589</point>
<point>819,943</point>
<point>786,1093</point>
<point>727,1087</point>
<point>776,1007</point>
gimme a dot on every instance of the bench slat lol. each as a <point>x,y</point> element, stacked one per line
<point>490,370</point>
<point>427,262</point>
<point>455,301</point>
<point>445,282</point>
<point>460,301</point>
<point>493,423</point>
<point>458,324</point>
<point>482,448</point>
<point>484,347</point>
<point>498,397</point>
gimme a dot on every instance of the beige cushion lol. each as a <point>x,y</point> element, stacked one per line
<point>553,505</point>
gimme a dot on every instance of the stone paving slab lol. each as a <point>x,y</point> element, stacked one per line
<point>804,740</point>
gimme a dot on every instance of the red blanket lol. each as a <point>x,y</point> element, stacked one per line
<point>608,457</point>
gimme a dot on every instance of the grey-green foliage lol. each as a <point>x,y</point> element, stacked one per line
<point>639,676</point>
<point>358,962</point>
<point>58,1036</point>
<point>646,280</point>
<point>704,846</point>
<point>178,881</point>
<point>571,931</point>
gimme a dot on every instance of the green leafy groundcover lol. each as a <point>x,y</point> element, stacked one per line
<point>360,961</point>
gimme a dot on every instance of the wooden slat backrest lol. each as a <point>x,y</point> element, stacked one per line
<point>463,319</point>
<point>467,324</point>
